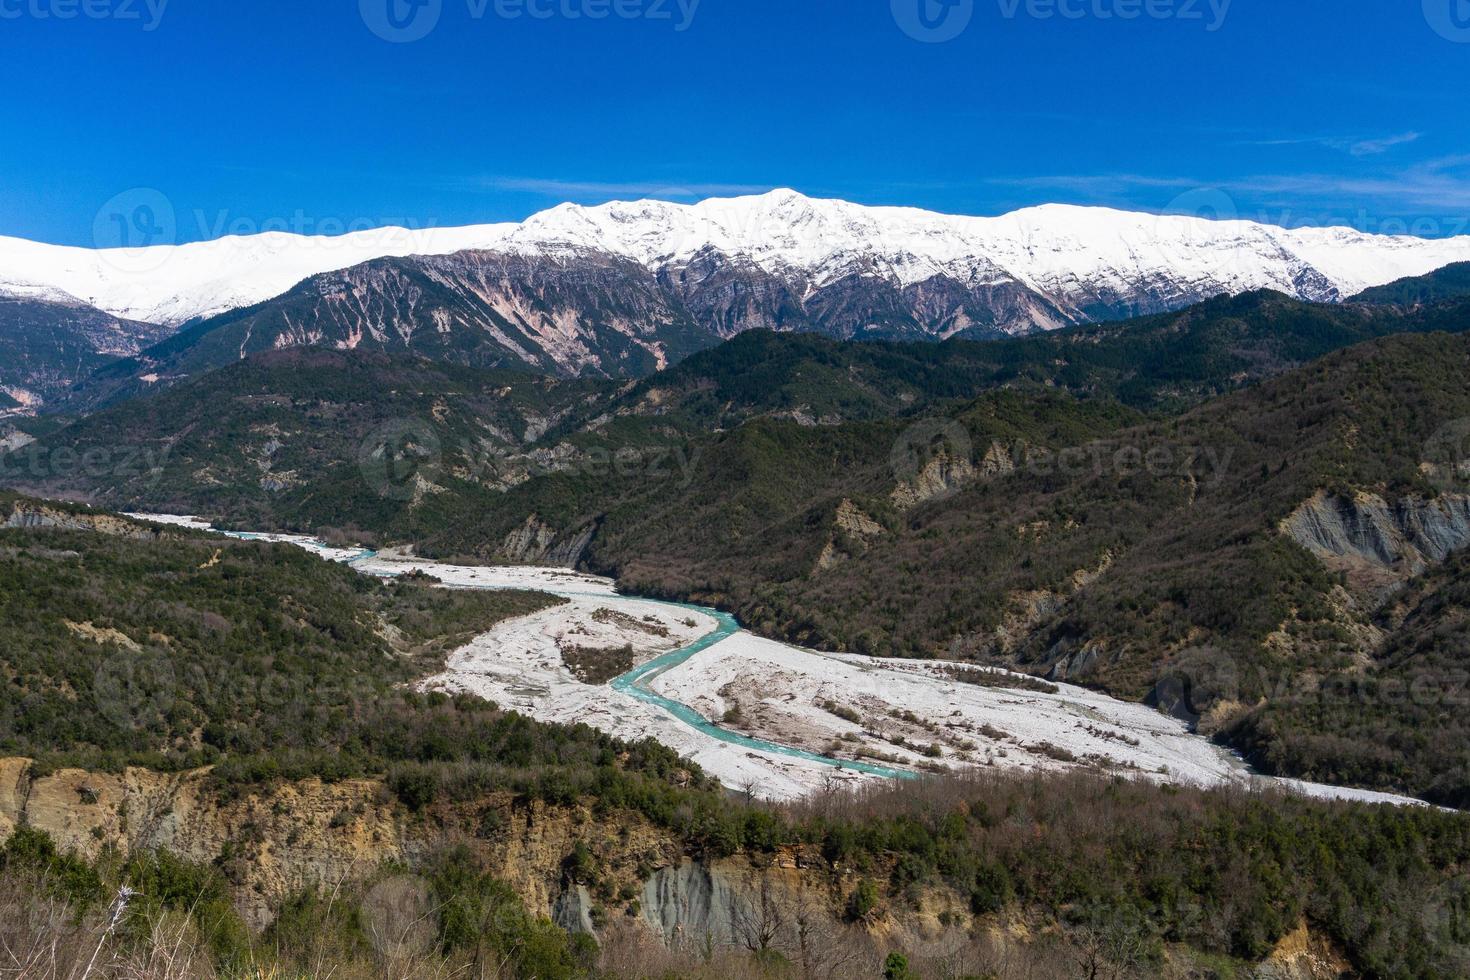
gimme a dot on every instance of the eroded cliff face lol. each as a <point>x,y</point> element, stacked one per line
<point>947,474</point>
<point>271,845</point>
<point>1380,544</point>
<point>1304,955</point>
<point>787,904</point>
<point>296,835</point>
<point>32,514</point>
<point>851,529</point>
<point>537,542</point>
<point>293,836</point>
<point>737,901</point>
<point>940,477</point>
<point>277,841</point>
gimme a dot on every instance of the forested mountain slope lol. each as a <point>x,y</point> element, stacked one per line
<point>150,645</point>
<point>1041,502</point>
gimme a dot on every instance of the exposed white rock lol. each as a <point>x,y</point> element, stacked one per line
<point>784,693</point>
<point>799,698</point>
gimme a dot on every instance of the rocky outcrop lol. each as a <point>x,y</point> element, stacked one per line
<point>34,514</point>
<point>12,439</point>
<point>948,473</point>
<point>851,520</point>
<point>536,542</point>
<point>693,901</point>
<point>274,841</point>
<point>998,461</point>
<point>1073,662</point>
<point>15,787</point>
<point>794,902</point>
<point>850,529</point>
<point>941,476</point>
<point>573,910</point>
<point>1377,543</point>
<point>1304,955</point>
<point>1028,611</point>
<point>102,635</point>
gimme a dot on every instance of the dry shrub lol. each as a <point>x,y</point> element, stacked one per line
<point>43,938</point>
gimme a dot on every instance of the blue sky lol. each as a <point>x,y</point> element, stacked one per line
<point>268,113</point>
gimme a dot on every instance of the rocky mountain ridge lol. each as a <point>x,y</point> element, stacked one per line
<point>1035,268</point>
<point>49,341</point>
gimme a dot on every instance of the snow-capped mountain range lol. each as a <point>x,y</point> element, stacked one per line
<point>1040,267</point>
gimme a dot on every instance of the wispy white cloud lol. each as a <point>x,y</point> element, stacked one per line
<point>1372,147</point>
<point>1357,146</point>
<point>1434,187</point>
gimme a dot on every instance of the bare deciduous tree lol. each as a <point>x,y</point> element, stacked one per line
<point>761,920</point>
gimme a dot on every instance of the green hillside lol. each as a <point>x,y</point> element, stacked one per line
<point>1451,282</point>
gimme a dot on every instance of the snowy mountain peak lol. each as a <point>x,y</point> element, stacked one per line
<point>1082,262</point>
<point>38,293</point>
